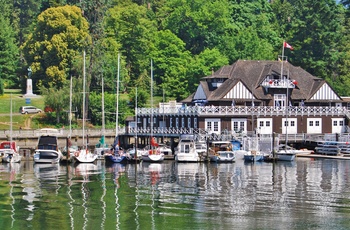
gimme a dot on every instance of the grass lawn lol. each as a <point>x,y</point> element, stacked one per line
<point>17,101</point>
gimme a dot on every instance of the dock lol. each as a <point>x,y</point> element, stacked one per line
<point>320,156</point>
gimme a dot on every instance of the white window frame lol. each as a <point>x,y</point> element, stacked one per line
<point>213,125</point>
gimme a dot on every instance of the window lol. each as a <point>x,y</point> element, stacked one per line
<point>341,123</point>
<point>335,123</point>
<point>285,123</point>
<point>216,126</point>
<point>195,122</point>
<point>177,122</point>
<point>213,125</point>
<point>317,123</point>
<point>209,125</point>
<point>261,123</point>
<point>292,123</point>
<point>182,122</point>
<point>279,100</point>
<point>171,122</point>
<point>311,123</point>
<point>189,122</point>
<point>268,123</point>
<point>235,126</point>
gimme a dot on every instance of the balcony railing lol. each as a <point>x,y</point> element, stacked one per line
<point>246,110</point>
<point>278,83</point>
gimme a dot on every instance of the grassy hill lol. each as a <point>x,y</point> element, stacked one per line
<point>18,120</point>
<point>29,121</point>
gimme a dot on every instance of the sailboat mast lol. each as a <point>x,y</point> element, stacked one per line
<point>286,101</point>
<point>11,123</point>
<point>103,108</point>
<point>117,100</point>
<point>151,98</point>
<point>70,107</point>
<point>84,145</point>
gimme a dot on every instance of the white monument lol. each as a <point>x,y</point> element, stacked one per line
<point>29,92</point>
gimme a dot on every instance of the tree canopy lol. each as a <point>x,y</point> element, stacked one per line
<point>185,39</point>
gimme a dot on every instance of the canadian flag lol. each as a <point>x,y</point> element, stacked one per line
<point>286,45</point>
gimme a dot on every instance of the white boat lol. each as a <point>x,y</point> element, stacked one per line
<point>11,156</point>
<point>134,155</point>
<point>8,149</point>
<point>186,149</point>
<point>201,148</point>
<point>167,152</point>
<point>84,155</point>
<point>286,154</point>
<point>152,153</point>
<point>47,150</point>
<point>221,151</point>
<point>153,156</point>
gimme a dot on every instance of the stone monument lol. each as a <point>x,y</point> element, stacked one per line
<point>29,92</point>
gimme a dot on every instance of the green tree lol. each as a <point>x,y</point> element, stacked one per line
<point>315,32</point>
<point>131,27</point>
<point>200,24</point>
<point>60,35</point>
<point>9,54</point>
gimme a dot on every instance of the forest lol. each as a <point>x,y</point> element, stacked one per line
<point>184,39</point>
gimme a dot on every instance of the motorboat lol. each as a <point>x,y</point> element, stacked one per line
<point>47,150</point>
<point>166,150</point>
<point>253,156</point>
<point>10,152</point>
<point>221,151</point>
<point>186,149</point>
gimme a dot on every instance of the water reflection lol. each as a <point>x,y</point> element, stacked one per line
<point>306,194</point>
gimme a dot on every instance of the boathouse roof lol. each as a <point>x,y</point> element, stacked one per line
<point>248,75</point>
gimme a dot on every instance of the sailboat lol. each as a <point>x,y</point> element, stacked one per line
<point>84,155</point>
<point>116,155</point>
<point>102,147</point>
<point>9,149</point>
<point>285,153</point>
<point>153,154</point>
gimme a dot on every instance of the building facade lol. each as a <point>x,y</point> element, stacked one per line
<point>259,97</point>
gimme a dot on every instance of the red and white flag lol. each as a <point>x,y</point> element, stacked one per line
<point>286,45</point>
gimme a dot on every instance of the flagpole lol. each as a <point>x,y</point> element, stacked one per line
<point>282,60</point>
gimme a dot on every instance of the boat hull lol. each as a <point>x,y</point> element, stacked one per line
<point>223,157</point>
<point>11,158</point>
<point>109,158</point>
<point>286,155</point>
<point>84,156</point>
<point>153,157</point>
<point>47,156</point>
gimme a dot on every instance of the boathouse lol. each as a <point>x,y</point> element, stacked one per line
<point>249,97</point>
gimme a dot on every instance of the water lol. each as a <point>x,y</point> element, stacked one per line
<point>306,194</point>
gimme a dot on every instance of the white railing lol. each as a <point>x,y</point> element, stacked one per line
<point>278,83</point>
<point>246,110</point>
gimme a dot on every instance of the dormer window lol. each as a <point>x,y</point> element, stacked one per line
<point>217,82</point>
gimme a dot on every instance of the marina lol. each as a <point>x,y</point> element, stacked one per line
<point>304,194</point>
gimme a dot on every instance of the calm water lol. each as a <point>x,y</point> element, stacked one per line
<point>306,194</point>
